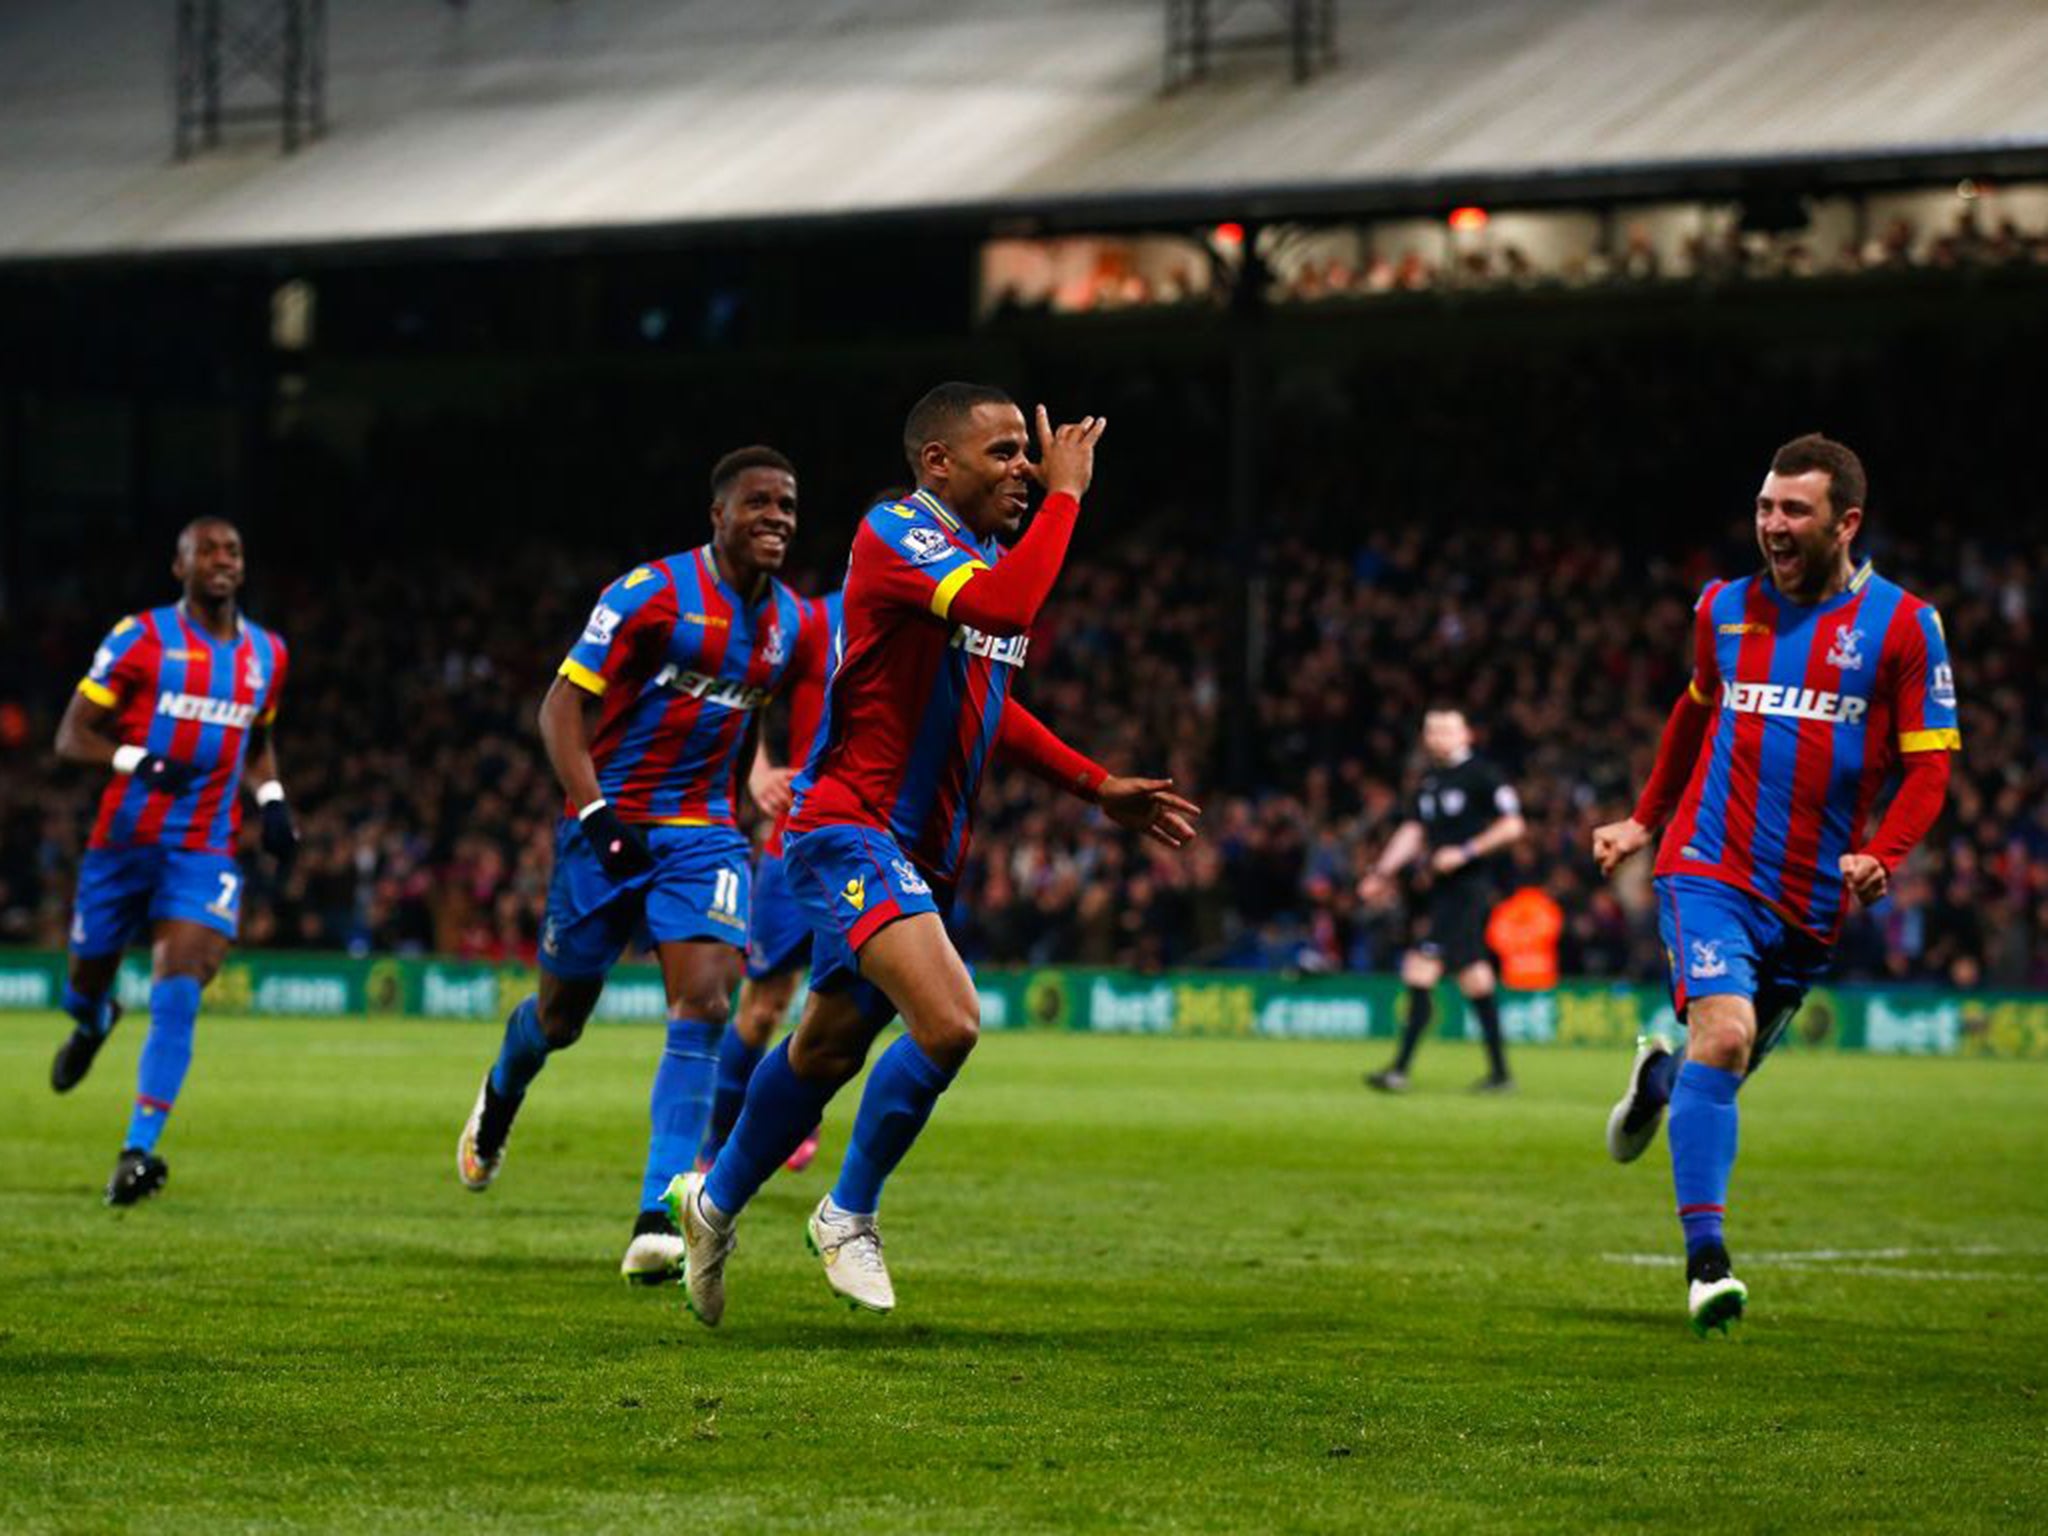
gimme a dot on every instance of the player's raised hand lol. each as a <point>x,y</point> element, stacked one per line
<point>619,848</point>
<point>1149,806</point>
<point>1376,889</point>
<point>1866,877</point>
<point>1066,455</point>
<point>1618,842</point>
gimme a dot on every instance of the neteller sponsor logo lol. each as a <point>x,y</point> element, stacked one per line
<point>1793,703</point>
<point>718,690</point>
<point>1007,651</point>
<point>207,711</point>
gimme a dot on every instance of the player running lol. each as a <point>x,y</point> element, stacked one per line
<point>778,937</point>
<point>1465,812</point>
<point>937,627</point>
<point>645,726</point>
<point>1810,680</point>
<point>179,700</point>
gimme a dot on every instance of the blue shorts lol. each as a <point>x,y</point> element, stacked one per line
<point>698,888</point>
<point>852,882</point>
<point>778,934</point>
<point>1720,941</point>
<point>121,891</point>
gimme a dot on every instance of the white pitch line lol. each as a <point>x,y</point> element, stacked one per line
<point>1858,1261</point>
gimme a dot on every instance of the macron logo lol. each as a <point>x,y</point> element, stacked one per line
<point>190,706</point>
<point>1793,703</point>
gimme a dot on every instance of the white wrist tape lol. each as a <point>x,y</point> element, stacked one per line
<point>596,805</point>
<point>128,759</point>
<point>268,791</point>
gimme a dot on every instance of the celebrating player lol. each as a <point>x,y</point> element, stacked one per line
<point>1810,680</point>
<point>1465,812</point>
<point>778,936</point>
<point>937,625</point>
<point>178,700</point>
<point>645,727</point>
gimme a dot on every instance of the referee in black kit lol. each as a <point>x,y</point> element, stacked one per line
<point>1464,813</point>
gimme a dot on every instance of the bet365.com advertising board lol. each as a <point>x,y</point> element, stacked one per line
<point>1892,1020</point>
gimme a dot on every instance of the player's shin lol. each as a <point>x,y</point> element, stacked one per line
<point>898,1100</point>
<point>166,1055</point>
<point>1702,1130</point>
<point>523,1054</point>
<point>736,1062</point>
<point>678,1105</point>
<point>93,1014</point>
<point>780,1110</point>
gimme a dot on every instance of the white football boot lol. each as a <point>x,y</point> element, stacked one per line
<point>475,1171</point>
<point>705,1248</point>
<point>1716,1304</point>
<point>851,1249</point>
<point>655,1256</point>
<point>1632,1123</point>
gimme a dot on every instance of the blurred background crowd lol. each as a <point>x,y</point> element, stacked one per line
<point>428,810</point>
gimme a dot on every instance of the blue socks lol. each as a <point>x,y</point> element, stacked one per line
<point>901,1091</point>
<point>680,1102</point>
<point>736,1063</point>
<point>95,1014</point>
<point>524,1053</point>
<point>1703,1121</point>
<point>781,1110</point>
<point>166,1054</point>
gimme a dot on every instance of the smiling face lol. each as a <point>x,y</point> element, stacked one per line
<point>753,523</point>
<point>980,469</point>
<point>1804,538</point>
<point>209,561</point>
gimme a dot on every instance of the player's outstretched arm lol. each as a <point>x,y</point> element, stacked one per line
<point>1006,600</point>
<point>1678,752</point>
<point>1911,816</point>
<point>86,735</point>
<point>1139,805</point>
<point>565,720</point>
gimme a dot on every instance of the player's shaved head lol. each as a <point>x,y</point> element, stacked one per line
<point>739,461</point>
<point>940,415</point>
<point>188,536</point>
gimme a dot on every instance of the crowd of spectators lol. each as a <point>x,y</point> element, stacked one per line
<point>1316,267</point>
<point>429,813</point>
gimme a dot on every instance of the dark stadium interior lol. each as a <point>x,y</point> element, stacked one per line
<point>1309,520</point>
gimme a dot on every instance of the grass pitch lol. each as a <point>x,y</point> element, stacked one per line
<point>1145,1285</point>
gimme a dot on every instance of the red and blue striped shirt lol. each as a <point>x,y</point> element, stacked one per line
<point>1813,707</point>
<point>681,662</point>
<point>916,704</point>
<point>179,692</point>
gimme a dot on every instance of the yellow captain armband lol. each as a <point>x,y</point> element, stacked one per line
<point>1692,689</point>
<point>1950,740</point>
<point>944,593</point>
<point>99,693</point>
<point>583,677</point>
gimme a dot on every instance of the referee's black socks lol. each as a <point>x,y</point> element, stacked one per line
<point>1419,1006</point>
<point>1487,1010</point>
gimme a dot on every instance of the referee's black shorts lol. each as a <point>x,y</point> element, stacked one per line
<point>1453,928</point>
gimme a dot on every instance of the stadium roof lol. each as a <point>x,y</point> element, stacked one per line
<point>521,115</point>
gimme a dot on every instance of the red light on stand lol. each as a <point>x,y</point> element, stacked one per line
<point>1468,219</point>
<point>1230,234</point>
